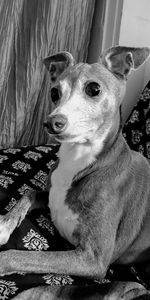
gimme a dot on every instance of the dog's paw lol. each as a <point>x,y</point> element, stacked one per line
<point>25,202</point>
<point>20,210</point>
<point>4,231</point>
<point>125,291</point>
<point>21,217</point>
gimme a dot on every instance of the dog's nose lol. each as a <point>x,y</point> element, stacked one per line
<point>56,123</point>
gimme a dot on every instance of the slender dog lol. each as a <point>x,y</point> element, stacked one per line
<point>99,194</point>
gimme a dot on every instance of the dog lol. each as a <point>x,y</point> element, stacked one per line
<point>99,191</point>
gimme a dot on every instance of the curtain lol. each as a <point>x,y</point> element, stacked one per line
<point>29,31</point>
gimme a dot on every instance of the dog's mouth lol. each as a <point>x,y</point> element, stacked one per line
<point>64,138</point>
<point>67,137</point>
<point>70,138</point>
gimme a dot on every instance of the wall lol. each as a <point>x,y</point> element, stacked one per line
<point>105,27</point>
<point>135,31</point>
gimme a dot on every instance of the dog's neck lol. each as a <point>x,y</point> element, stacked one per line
<point>76,157</point>
<point>73,158</point>
<point>80,155</point>
<point>112,135</point>
<point>79,160</point>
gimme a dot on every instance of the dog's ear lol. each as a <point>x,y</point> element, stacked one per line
<point>57,63</point>
<point>120,60</point>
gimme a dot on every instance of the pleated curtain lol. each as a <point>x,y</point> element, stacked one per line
<point>29,31</point>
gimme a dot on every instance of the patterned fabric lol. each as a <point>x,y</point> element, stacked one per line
<point>23,169</point>
<point>137,128</point>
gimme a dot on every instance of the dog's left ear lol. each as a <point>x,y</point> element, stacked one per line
<point>57,63</point>
<point>121,60</point>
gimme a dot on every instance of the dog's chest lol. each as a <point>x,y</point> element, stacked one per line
<point>62,215</point>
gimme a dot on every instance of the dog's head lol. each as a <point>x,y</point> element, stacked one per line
<point>87,97</point>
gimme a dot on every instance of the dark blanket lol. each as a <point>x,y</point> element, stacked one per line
<point>27,168</point>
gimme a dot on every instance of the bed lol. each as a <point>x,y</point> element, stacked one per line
<point>26,168</point>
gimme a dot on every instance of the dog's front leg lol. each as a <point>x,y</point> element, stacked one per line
<point>16,215</point>
<point>74,262</point>
<point>89,259</point>
<point>96,240</point>
<point>13,218</point>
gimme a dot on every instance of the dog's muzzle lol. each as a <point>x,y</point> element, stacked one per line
<point>56,124</point>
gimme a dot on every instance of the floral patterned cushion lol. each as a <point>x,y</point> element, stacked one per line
<point>137,128</point>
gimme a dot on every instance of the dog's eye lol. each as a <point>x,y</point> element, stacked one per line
<point>55,94</point>
<point>93,89</point>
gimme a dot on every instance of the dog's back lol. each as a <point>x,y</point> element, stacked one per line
<point>135,224</point>
<point>124,175</point>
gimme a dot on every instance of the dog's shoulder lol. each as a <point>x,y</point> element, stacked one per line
<point>140,165</point>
